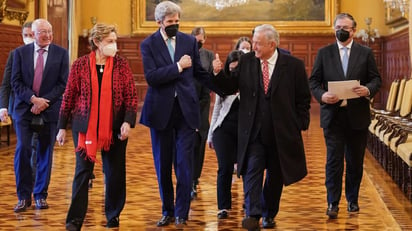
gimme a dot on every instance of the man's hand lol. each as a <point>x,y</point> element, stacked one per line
<point>39,104</point>
<point>329,98</point>
<point>4,115</point>
<point>362,91</point>
<point>185,62</point>
<point>217,64</point>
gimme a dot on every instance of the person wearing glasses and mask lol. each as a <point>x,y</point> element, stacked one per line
<point>344,121</point>
<point>100,102</point>
<point>38,92</point>
<point>171,65</point>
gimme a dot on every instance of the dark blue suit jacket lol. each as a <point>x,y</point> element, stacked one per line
<point>53,83</point>
<point>165,81</point>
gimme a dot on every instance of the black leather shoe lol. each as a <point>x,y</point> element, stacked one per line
<point>73,226</point>
<point>353,207</point>
<point>165,220</point>
<point>180,223</point>
<point>332,211</point>
<point>222,214</point>
<point>251,224</point>
<point>113,223</point>
<point>41,204</point>
<point>22,205</point>
<point>268,222</point>
<point>193,192</point>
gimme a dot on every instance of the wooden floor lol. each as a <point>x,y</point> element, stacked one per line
<point>303,205</point>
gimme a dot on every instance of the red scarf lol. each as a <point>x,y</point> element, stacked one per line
<point>98,137</point>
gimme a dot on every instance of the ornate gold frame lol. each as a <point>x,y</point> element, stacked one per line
<point>394,17</point>
<point>142,26</point>
<point>14,10</point>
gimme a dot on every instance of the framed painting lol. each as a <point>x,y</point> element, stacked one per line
<point>288,16</point>
<point>395,17</point>
<point>14,10</point>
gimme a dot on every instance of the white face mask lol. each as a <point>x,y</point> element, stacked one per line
<point>28,40</point>
<point>245,50</point>
<point>110,49</point>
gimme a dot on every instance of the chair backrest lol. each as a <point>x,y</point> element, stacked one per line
<point>400,95</point>
<point>406,106</point>
<point>393,91</point>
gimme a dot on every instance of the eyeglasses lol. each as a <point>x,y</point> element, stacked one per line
<point>45,32</point>
<point>343,27</point>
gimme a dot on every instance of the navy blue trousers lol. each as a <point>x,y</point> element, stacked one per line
<point>174,146</point>
<point>44,158</point>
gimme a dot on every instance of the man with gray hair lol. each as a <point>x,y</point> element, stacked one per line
<point>171,108</point>
<point>273,110</point>
<point>38,94</point>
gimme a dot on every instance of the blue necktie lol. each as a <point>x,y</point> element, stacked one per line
<point>345,60</point>
<point>171,49</point>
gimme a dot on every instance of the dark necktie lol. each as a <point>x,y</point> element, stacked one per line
<point>345,60</point>
<point>38,72</point>
<point>171,49</point>
<point>265,73</point>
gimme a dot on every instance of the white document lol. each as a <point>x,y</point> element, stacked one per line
<point>343,89</point>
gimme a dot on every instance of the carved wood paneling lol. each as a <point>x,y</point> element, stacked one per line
<point>10,38</point>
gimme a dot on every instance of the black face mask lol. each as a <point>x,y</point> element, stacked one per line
<point>171,30</point>
<point>199,44</point>
<point>342,35</point>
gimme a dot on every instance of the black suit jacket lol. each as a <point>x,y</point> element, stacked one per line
<point>6,92</point>
<point>361,66</point>
<point>289,103</point>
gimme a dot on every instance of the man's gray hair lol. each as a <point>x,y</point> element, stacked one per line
<point>269,31</point>
<point>166,8</point>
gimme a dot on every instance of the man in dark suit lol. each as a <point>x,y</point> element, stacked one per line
<point>206,59</point>
<point>7,95</point>
<point>274,109</point>
<point>38,94</point>
<point>344,122</point>
<point>171,109</point>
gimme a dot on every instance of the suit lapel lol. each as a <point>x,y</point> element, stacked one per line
<point>161,47</point>
<point>280,66</point>
<point>50,56</point>
<point>353,59</point>
<point>337,62</point>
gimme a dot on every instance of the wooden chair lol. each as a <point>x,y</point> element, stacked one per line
<point>7,125</point>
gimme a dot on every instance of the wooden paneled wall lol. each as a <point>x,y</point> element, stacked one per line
<point>391,53</point>
<point>10,38</point>
<point>397,63</point>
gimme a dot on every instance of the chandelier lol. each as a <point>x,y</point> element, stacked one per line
<point>367,34</point>
<point>221,4</point>
<point>401,5</point>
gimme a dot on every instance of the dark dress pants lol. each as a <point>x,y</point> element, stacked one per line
<point>262,202</point>
<point>114,169</point>
<point>174,146</point>
<point>344,143</point>
<point>44,159</point>
<point>225,145</point>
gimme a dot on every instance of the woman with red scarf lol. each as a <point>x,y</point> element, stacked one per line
<point>100,102</point>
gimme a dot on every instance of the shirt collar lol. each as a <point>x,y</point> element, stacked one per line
<point>272,59</point>
<point>348,46</point>
<point>164,36</point>
<point>36,47</point>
